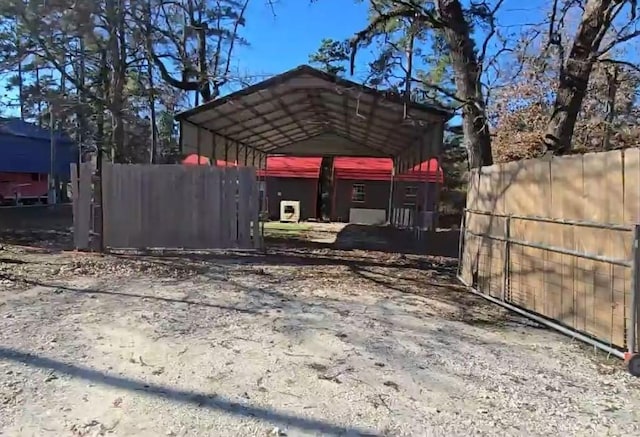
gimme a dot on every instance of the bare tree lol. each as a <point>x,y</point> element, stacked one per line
<point>596,22</point>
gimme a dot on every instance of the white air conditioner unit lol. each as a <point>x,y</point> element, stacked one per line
<point>290,211</point>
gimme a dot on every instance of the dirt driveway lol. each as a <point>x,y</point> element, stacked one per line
<point>302,341</point>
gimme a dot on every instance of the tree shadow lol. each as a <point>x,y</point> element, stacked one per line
<point>298,255</point>
<point>390,239</point>
<point>45,241</point>
<point>472,309</point>
<point>93,291</point>
<point>210,401</point>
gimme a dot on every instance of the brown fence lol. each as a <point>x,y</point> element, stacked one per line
<point>556,238</point>
<point>170,206</point>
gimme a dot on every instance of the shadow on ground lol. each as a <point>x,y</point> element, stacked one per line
<point>387,239</point>
<point>209,401</point>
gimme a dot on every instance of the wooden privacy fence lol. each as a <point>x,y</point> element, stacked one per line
<point>82,204</point>
<point>558,238</point>
<point>178,207</point>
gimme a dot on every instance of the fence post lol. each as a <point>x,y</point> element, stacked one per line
<point>635,293</point>
<point>505,258</point>
<point>461,238</point>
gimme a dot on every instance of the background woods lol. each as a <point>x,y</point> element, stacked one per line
<point>113,72</point>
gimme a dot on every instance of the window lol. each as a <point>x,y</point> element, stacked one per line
<point>410,194</point>
<point>357,193</point>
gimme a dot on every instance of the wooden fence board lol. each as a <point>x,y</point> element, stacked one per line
<point>84,206</point>
<point>246,180</point>
<point>589,296</point>
<point>231,206</point>
<point>74,203</point>
<point>175,206</point>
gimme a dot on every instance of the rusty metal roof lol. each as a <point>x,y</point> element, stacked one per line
<point>306,111</point>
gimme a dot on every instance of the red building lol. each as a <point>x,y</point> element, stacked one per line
<point>289,178</point>
<point>360,187</point>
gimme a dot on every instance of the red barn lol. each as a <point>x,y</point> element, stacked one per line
<point>362,188</point>
<point>289,178</point>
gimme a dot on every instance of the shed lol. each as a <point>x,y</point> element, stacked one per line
<point>26,148</point>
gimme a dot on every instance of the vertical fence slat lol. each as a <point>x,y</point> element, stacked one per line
<point>230,213</point>
<point>246,179</point>
<point>176,206</point>
<point>505,260</point>
<point>74,203</point>
<point>634,304</point>
<point>107,187</point>
<point>255,211</point>
<point>84,206</point>
<point>215,187</point>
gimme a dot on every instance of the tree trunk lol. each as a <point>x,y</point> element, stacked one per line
<point>117,53</point>
<point>612,92</point>
<point>575,73</point>
<point>466,70</point>
<point>20,75</point>
<point>81,113</point>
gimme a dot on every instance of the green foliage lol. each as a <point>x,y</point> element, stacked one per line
<point>332,56</point>
<point>98,66</point>
<point>400,36</point>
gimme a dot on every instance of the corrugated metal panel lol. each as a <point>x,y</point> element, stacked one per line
<point>292,167</point>
<point>22,154</point>
<point>19,128</point>
<point>379,169</point>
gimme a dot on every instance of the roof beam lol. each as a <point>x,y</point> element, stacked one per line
<point>374,128</point>
<point>287,111</point>
<point>294,103</point>
<point>357,143</point>
<point>379,118</point>
<point>368,146</point>
<point>258,114</point>
<point>224,137</point>
<point>287,131</point>
<point>372,113</point>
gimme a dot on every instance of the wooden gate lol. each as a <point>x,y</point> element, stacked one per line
<point>179,207</point>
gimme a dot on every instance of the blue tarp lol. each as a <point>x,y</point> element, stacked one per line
<point>26,148</point>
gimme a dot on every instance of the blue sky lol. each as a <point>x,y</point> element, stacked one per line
<point>284,41</point>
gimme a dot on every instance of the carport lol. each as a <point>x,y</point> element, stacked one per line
<point>307,112</point>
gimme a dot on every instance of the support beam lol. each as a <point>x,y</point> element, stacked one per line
<point>391,182</point>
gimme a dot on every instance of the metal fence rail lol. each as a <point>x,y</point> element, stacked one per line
<point>578,277</point>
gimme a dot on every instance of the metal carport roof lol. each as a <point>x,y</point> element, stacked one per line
<point>306,111</point>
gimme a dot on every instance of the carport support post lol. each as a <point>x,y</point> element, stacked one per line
<point>417,221</point>
<point>198,151</point>
<point>393,172</point>
<point>264,203</point>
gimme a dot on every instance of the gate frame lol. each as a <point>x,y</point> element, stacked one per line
<point>632,355</point>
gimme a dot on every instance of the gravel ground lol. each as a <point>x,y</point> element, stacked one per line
<point>299,342</point>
